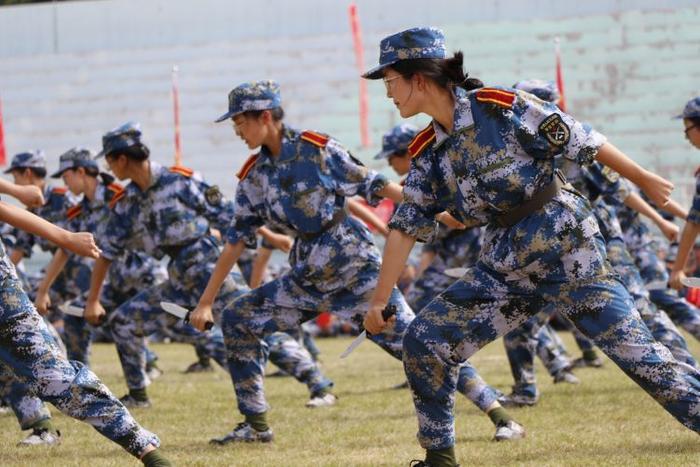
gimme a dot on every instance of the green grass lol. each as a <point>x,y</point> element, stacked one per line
<point>606,420</point>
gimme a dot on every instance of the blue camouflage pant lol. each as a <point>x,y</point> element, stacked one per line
<point>188,274</point>
<point>534,337</point>
<point>27,347</point>
<point>429,284</point>
<point>661,327</point>
<point>78,333</point>
<point>28,408</point>
<point>483,305</point>
<point>653,269</point>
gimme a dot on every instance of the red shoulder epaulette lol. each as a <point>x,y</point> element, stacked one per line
<point>74,212</point>
<point>178,169</point>
<point>314,138</point>
<point>496,96</point>
<point>115,199</point>
<point>59,190</point>
<point>243,173</point>
<point>115,187</point>
<point>421,140</point>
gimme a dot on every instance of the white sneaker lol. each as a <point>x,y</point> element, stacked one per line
<point>41,438</point>
<point>510,431</point>
<point>325,400</point>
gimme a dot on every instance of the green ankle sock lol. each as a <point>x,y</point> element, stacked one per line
<point>499,416</point>
<point>139,394</point>
<point>155,459</point>
<point>258,421</point>
<point>589,355</point>
<point>441,457</point>
<point>45,424</point>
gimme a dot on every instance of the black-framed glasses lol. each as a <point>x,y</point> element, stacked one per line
<point>689,128</point>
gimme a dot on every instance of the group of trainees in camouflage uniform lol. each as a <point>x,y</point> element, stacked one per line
<point>524,200</point>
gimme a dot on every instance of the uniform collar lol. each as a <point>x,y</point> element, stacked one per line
<point>288,152</point>
<point>157,172</point>
<point>462,118</point>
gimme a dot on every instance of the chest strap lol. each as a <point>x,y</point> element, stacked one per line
<point>539,199</point>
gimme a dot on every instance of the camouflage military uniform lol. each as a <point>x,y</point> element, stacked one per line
<point>74,280</point>
<point>127,276</point>
<point>27,348</point>
<point>500,152</point>
<point>643,248</point>
<point>334,264</point>
<point>173,217</point>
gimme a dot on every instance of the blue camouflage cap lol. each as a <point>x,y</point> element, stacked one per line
<point>397,140</point>
<point>545,90</point>
<point>74,158</point>
<point>408,44</point>
<point>691,110</point>
<point>254,95</point>
<point>121,137</point>
<point>28,159</point>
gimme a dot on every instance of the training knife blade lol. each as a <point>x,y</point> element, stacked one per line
<point>387,312</point>
<point>182,313</point>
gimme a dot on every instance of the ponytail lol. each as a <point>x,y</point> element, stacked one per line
<point>447,73</point>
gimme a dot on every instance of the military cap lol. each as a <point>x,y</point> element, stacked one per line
<point>28,159</point>
<point>121,137</point>
<point>74,158</point>
<point>691,110</point>
<point>396,140</point>
<point>254,95</point>
<point>408,44</point>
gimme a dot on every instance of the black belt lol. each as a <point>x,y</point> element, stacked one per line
<point>338,217</point>
<point>540,198</point>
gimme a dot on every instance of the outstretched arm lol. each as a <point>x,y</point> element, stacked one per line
<point>657,188</point>
<point>398,247</point>
<point>690,232</point>
<point>203,314</point>
<point>56,265</point>
<point>636,202</point>
<point>31,196</point>
<point>262,258</point>
<point>367,216</point>
<point>81,243</point>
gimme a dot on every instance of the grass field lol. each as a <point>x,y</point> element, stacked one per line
<point>606,420</point>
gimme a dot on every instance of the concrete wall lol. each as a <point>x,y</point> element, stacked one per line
<point>71,71</point>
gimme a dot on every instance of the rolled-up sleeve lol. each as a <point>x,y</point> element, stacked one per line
<point>246,219</point>
<point>112,239</point>
<point>545,131</point>
<point>351,178</point>
<point>415,216</point>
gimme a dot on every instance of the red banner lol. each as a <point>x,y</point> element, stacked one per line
<point>176,112</point>
<point>3,154</point>
<point>560,77</point>
<point>360,61</point>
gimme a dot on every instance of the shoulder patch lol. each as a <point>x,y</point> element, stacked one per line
<point>499,97</point>
<point>116,198</point>
<point>115,187</point>
<point>421,140</point>
<point>243,173</point>
<point>317,139</point>
<point>59,190</point>
<point>74,212</point>
<point>555,131</point>
<point>178,169</point>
